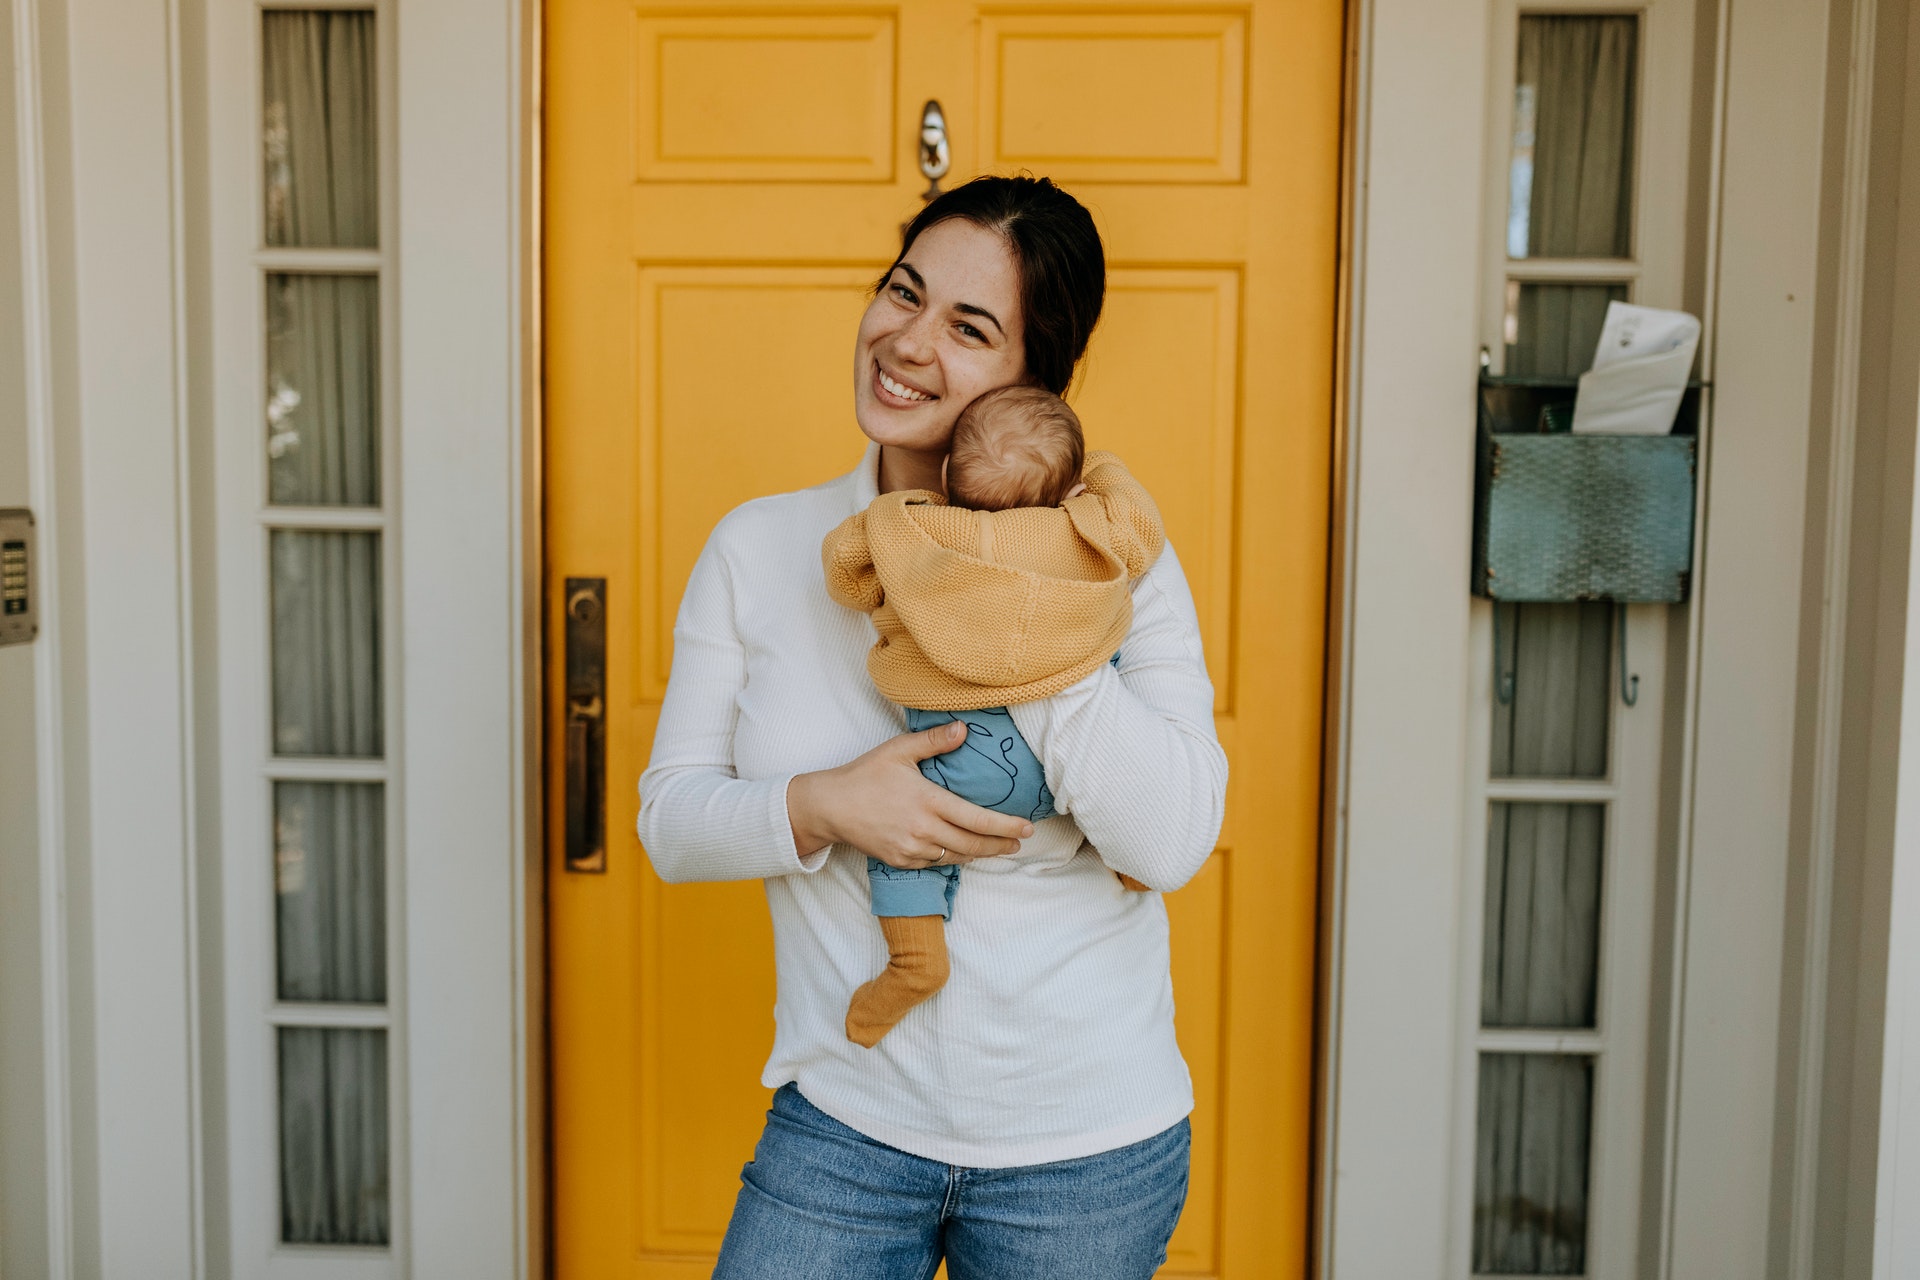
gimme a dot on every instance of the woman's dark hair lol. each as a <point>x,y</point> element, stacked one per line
<point>1063,269</point>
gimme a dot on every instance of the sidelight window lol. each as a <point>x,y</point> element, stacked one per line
<point>326,554</point>
<point>1585,208</point>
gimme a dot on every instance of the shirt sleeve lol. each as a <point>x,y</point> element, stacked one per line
<point>1132,753</point>
<point>698,819</point>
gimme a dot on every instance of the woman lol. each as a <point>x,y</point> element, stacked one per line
<point>1031,1119</point>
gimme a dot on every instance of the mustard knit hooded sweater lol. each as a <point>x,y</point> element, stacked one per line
<point>986,609</point>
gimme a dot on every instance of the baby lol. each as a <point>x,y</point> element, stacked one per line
<point>1014,587</point>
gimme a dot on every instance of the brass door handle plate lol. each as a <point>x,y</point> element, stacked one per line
<point>586,736</point>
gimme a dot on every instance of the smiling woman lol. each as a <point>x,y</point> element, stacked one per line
<point>776,759</point>
<point>706,262</point>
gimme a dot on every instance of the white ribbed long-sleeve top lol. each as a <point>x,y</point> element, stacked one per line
<point>1053,1037</point>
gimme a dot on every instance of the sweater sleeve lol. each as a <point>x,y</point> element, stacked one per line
<point>1132,754</point>
<point>698,819</point>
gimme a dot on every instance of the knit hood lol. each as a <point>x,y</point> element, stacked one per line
<point>981,609</point>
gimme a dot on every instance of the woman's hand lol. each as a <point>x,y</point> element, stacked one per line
<point>881,806</point>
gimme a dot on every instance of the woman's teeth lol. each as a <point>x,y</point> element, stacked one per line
<point>897,389</point>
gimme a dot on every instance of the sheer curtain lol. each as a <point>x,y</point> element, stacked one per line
<point>333,1136</point>
<point>323,390</point>
<point>1530,1185</point>
<point>323,449</point>
<point>1572,197</point>
<point>1558,326</point>
<point>1540,949</point>
<point>1572,181</point>
<point>330,881</point>
<point>320,128</point>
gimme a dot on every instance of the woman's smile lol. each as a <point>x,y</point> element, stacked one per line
<point>892,388</point>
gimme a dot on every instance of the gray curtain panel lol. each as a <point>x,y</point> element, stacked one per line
<point>1558,327</point>
<point>1571,180</point>
<point>330,881</point>
<point>333,1136</point>
<point>1571,196</point>
<point>1578,71</point>
<point>1530,1180</point>
<point>1557,656</point>
<point>326,643</point>
<point>323,390</point>
<point>1540,953</point>
<point>323,449</point>
<point>319,134</point>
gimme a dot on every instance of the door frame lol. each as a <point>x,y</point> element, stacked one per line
<point>1399,866</point>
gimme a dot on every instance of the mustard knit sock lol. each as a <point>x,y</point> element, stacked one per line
<point>916,968</point>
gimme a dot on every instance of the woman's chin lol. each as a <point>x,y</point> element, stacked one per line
<point>902,428</point>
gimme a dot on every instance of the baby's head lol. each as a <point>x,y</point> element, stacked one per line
<point>1018,446</point>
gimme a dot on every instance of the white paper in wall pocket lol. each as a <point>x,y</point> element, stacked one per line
<point>1640,371</point>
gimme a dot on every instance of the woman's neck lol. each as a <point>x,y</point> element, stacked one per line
<point>910,469</point>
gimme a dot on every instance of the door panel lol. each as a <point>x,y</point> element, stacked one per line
<point>722,183</point>
<point>763,98</point>
<point>1060,95</point>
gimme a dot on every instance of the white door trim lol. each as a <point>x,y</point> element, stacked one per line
<point>120,406</point>
<point>49,742</point>
<point>473,1157</point>
<point>1761,353</point>
<point>1896,1218</point>
<point>1830,657</point>
<point>1399,866</point>
<point>1896,1208</point>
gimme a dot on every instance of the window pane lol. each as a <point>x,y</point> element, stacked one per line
<point>326,643</point>
<point>1557,657</point>
<point>1540,953</point>
<point>1570,169</point>
<point>333,1136</point>
<point>329,863</point>
<point>319,136</point>
<point>323,390</point>
<point>1530,1169</point>
<point>1552,329</point>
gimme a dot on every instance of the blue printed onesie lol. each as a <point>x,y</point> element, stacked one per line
<point>995,769</point>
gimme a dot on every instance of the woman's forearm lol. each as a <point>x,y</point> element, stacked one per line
<point>700,824</point>
<point>1132,754</point>
<point>1147,788</point>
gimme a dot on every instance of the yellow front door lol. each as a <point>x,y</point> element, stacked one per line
<point>721,186</point>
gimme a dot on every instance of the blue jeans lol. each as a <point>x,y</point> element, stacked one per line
<point>821,1201</point>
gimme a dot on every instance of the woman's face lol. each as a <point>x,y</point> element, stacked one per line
<point>944,328</point>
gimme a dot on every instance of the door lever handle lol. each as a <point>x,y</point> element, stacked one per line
<point>586,736</point>
<point>935,156</point>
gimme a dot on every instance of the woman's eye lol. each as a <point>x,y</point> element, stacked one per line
<point>905,294</point>
<point>972,332</point>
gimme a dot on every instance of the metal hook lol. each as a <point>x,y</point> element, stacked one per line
<point>1502,676</point>
<point>1629,685</point>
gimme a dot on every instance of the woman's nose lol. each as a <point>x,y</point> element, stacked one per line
<point>914,342</point>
